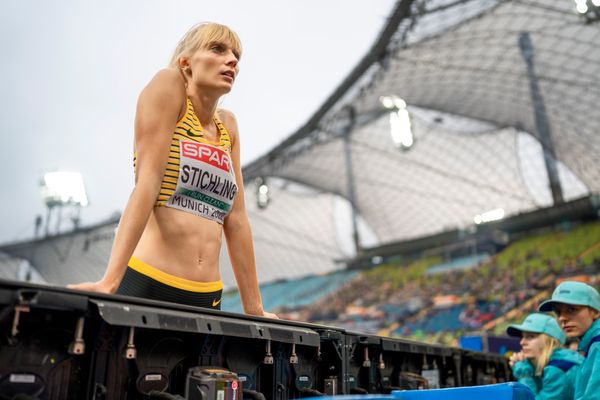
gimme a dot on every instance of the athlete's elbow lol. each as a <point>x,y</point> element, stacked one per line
<point>232,223</point>
<point>236,222</point>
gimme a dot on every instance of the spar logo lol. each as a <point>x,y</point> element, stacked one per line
<point>208,154</point>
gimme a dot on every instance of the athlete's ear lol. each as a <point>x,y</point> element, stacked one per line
<point>184,64</point>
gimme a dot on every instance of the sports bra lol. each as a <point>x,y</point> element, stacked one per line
<point>199,177</point>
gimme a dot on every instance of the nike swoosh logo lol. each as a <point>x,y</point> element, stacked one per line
<point>192,134</point>
<point>216,302</point>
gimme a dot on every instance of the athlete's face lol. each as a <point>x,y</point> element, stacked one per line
<point>575,320</point>
<point>215,67</point>
<point>531,344</point>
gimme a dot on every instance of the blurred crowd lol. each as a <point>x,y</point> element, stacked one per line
<point>406,300</point>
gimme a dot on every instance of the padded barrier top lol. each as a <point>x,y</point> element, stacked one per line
<point>501,391</point>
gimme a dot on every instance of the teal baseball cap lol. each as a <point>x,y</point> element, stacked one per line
<point>538,323</point>
<point>575,293</point>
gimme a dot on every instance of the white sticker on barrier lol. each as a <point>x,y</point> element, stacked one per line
<point>22,378</point>
<point>433,378</point>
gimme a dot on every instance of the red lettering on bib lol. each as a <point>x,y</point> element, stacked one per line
<point>208,154</point>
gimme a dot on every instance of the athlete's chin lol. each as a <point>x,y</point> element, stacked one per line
<point>218,89</point>
<point>221,90</point>
<point>224,85</point>
<point>227,88</point>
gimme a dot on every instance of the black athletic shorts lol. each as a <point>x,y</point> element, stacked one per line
<point>143,280</point>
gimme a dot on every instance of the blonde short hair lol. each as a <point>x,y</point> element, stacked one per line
<point>202,36</point>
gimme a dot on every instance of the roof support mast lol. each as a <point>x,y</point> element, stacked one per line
<point>541,119</point>
<point>350,176</point>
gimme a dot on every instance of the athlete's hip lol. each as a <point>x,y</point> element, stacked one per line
<point>180,281</point>
<point>143,280</point>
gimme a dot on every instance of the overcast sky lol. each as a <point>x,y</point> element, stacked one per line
<point>72,70</point>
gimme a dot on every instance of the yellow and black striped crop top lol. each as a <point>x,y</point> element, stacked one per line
<point>199,177</point>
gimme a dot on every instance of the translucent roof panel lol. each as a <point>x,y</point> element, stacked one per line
<point>294,236</point>
<point>477,69</point>
<point>490,85</point>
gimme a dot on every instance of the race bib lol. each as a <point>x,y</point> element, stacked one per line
<point>206,185</point>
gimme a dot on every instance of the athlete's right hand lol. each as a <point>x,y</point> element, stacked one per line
<point>100,287</point>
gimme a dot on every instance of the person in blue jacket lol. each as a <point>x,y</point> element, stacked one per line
<point>542,364</point>
<point>577,306</point>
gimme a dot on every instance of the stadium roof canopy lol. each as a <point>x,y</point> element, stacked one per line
<point>498,93</point>
<point>489,84</point>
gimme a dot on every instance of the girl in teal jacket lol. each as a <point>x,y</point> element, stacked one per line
<point>546,368</point>
<point>587,384</point>
<point>577,307</point>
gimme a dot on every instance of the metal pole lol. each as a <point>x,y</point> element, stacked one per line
<point>541,118</point>
<point>47,228</point>
<point>58,218</point>
<point>38,225</point>
<point>350,176</point>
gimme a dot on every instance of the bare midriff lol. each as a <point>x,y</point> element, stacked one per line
<point>181,244</point>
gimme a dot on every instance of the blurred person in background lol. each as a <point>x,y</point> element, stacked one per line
<point>577,306</point>
<point>542,364</point>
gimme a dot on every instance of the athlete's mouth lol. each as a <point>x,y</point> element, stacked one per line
<point>230,74</point>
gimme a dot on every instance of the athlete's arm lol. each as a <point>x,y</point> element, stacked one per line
<point>158,110</point>
<point>239,235</point>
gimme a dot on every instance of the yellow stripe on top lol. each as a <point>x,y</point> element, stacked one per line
<point>188,128</point>
<point>173,281</point>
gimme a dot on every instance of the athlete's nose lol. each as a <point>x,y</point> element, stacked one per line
<point>232,59</point>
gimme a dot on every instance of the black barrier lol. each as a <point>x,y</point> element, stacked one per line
<point>61,344</point>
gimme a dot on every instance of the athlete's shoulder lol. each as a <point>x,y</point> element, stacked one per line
<point>226,116</point>
<point>228,119</point>
<point>167,81</point>
<point>169,75</point>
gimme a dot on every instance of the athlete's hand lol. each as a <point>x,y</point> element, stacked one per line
<point>270,315</point>
<point>100,287</point>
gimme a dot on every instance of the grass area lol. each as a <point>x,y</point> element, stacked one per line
<point>396,276</point>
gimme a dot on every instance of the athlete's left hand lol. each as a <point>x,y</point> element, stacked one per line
<point>267,314</point>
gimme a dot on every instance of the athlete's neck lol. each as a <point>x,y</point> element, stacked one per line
<point>205,105</point>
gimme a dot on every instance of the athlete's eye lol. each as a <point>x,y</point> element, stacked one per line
<point>217,48</point>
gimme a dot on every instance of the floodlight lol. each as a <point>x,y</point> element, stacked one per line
<point>401,129</point>
<point>387,102</point>
<point>488,216</point>
<point>262,193</point>
<point>63,188</point>
<point>590,9</point>
<point>376,260</point>
<point>392,102</point>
